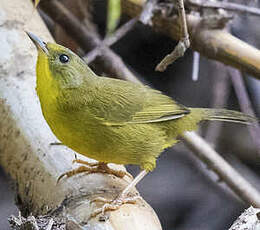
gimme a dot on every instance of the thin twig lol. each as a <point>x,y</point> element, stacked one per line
<point>226,6</point>
<point>228,174</point>
<point>121,32</point>
<point>147,12</point>
<point>145,18</point>
<point>182,45</point>
<point>195,66</point>
<point>245,104</point>
<point>116,36</point>
<point>220,94</point>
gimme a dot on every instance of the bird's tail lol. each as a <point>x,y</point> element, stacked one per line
<point>224,115</point>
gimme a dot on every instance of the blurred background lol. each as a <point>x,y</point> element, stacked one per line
<point>182,191</point>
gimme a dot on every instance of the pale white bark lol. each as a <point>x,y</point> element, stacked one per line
<point>25,151</point>
<point>248,220</point>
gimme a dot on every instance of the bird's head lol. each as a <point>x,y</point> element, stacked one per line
<point>59,64</point>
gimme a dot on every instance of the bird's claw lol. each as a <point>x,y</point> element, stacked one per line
<point>73,172</point>
<point>111,205</point>
<point>98,167</point>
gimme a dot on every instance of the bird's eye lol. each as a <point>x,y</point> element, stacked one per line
<point>64,58</point>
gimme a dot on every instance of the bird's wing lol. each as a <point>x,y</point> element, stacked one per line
<point>119,102</point>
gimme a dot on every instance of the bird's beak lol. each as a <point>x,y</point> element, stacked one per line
<point>38,42</point>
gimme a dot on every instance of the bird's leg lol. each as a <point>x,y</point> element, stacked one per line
<point>98,167</point>
<point>123,198</point>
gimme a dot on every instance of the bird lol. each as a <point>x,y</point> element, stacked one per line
<point>111,120</point>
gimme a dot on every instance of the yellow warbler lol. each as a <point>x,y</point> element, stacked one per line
<point>110,120</point>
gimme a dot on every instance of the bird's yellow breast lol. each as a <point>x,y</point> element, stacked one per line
<point>47,90</point>
<point>67,126</point>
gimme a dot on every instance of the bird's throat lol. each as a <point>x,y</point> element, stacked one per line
<point>46,86</point>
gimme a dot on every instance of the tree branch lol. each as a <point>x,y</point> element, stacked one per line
<point>214,161</point>
<point>225,5</point>
<point>115,37</point>
<point>182,45</point>
<point>148,12</point>
<point>215,44</point>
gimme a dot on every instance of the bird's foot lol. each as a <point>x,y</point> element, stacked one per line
<point>98,167</point>
<point>112,205</point>
<point>101,167</point>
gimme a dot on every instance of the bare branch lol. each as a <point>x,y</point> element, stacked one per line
<point>182,45</point>
<point>147,12</point>
<point>228,174</point>
<point>116,36</point>
<point>178,52</point>
<point>120,32</point>
<point>245,104</point>
<point>225,5</point>
<point>145,18</point>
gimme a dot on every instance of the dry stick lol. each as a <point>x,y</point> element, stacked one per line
<point>235,181</point>
<point>245,104</point>
<point>221,88</point>
<point>87,39</point>
<point>116,36</point>
<point>148,11</point>
<point>225,5</point>
<point>182,45</point>
<point>191,140</point>
<point>145,18</point>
